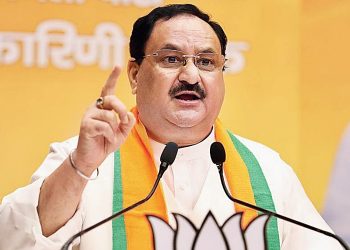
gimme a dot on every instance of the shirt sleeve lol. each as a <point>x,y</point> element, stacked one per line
<point>20,227</point>
<point>291,200</point>
<point>298,206</point>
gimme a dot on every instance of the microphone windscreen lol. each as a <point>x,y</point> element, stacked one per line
<point>217,153</point>
<point>169,153</point>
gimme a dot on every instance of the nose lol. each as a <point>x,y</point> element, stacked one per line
<point>189,72</point>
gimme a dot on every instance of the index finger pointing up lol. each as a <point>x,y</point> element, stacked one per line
<point>109,87</point>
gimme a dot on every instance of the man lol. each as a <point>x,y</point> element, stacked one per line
<point>176,72</point>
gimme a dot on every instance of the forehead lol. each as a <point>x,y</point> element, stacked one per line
<point>184,32</point>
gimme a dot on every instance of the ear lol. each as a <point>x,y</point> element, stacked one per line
<point>133,69</point>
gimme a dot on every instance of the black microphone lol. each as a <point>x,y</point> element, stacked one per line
<point>167,158</point>
<point>218,157</point>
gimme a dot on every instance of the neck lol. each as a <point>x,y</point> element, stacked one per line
<point>183,137</point>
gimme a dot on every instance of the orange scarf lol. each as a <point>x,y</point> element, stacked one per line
<point>134,176</point>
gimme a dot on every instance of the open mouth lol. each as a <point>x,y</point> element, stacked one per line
<point>187,96</point>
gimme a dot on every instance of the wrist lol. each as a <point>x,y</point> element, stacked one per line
<point>85,173</point>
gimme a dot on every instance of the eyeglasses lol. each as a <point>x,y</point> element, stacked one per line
<point>174,59</point>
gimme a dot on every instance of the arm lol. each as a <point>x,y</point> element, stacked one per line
<point>59,198</point>
<point>291,200</point>
<point>299,206</point>
<point>19,222</point>
<point>101,133</point>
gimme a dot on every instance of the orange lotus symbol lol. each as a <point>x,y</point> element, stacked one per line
<point>210,235</point>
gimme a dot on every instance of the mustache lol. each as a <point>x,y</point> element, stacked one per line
<point>184,86</point>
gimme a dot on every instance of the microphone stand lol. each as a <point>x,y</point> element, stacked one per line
<point>163,167</point>
<point>340,240</point>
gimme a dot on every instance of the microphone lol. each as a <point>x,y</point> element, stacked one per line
<point>218,157</point>
<point>167,158</point>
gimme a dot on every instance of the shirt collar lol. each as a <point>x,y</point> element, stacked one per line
<point>188,152</point>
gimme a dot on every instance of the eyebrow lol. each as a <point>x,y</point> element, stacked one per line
<point>209,50</point>
<point>170,46</point>
<point>174,47</point>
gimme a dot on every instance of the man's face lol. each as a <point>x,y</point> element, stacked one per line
<point>182,99</point>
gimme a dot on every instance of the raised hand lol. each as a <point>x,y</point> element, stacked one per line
<point>103,128</point>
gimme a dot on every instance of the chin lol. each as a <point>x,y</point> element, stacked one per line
<point>187,118</point>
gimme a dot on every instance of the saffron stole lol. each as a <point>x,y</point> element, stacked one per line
<point>135,172</point>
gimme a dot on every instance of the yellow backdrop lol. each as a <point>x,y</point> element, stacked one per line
<point>287,85</point>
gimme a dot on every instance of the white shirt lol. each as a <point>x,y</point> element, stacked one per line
<point>192,184</point>
<point>20,226</point>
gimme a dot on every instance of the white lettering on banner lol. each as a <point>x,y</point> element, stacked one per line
<point>110,38</point>
<point>235,57</point>
<point>57,42</point>
<point>60,35</point>
<point>137,3</point>
<point>9,53</point>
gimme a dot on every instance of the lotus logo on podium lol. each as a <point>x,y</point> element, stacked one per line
<point>210,235</point>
